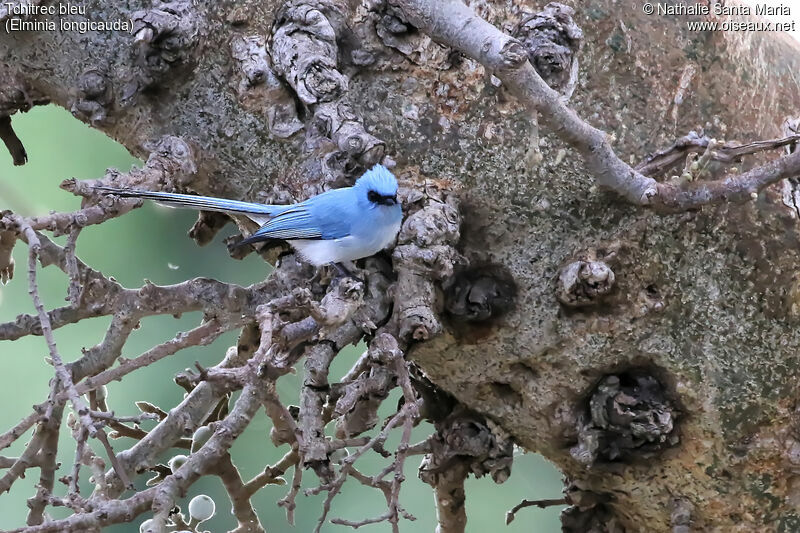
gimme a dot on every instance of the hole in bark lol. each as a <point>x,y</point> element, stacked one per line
<point>524,371</point>
<point>506,393</point>
<point>481,293</point>
<point>476,298</point>
<point>628,415</point>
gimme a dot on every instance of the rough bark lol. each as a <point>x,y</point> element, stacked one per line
<point>676,385</point>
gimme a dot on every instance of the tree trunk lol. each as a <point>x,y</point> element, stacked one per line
<point>668,389</point>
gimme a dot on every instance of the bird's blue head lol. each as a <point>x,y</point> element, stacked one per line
<point>380,186</point>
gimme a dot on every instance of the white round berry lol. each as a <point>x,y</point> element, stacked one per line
<point>176,462</point>
<point>201,508</point>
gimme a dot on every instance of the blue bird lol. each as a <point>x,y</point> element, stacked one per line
<point>337,226</point>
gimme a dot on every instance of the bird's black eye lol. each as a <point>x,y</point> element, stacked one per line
<point>373,197</point>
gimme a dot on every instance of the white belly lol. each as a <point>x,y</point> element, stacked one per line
<point>322,252</point>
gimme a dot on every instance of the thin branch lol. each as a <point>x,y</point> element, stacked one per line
<point>202,335</point>
<point>80,448</point>
<point>271,474</point>
<point>29,456</point>
<point>48,455</point>
<point>738,188</point>
<point>410,397</point>
<point>71,261</point>
<point>12,142</point>
<point>388,493</point>
<point>541,504</point>
<point>108,513</point>
<point>10,436</point>
<point>408,410</point>
<point>288,501</point>
<point>240,497</point>
<point>115,464</point>
<point>80,407</point>
<point>355,524</point>
<point>107,417</point>
<point>729,152</point>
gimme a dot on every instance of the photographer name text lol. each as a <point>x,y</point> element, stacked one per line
<point>720,9</point>
<point>761,17</point>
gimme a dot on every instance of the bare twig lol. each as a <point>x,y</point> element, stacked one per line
<point>384,486</point>
<point>739,188</point>
<point>10,436</point>
<point>80,407</point>
<point>410,397</point>
<point>80,448</point>
<point>28,457</point>
<point>240,497</point>
<point>71,261</point>
<point>111,417</point>
<point>541,504</point>
<point>288,501</point>
<point>729,152</point>
<point>202,335</point>
<point>271,474</point>
<point>48,454</point>
<point>12,142</point>
<point>409,410</point>
<point>120,471</point>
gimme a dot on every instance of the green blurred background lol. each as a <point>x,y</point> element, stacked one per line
<point>151,243</point>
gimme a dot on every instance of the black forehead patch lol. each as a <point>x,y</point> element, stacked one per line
<point>375,196</point>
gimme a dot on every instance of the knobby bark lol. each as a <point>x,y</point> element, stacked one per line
<point>649,355</point>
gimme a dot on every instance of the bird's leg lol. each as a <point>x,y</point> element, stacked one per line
<point>342,270</point>
<point>345,272</point>
<point>319,277</point>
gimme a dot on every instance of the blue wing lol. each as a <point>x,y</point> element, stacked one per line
<point>327,216</point>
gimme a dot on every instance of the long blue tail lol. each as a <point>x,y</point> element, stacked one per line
<point>203,203</point>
